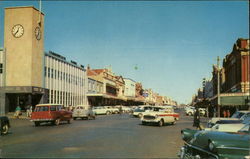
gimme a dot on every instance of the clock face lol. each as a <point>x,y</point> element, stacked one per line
<point>38,33</point>
<point>17,30</point>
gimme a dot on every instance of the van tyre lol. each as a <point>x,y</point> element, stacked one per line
<point>37,123</point>
<point>57,122</point>
<point>69,121</point>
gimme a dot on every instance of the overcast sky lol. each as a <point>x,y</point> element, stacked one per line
<point>173,44</point>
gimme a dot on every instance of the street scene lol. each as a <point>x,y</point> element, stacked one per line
<point>115,136</point>
<point>124,79</point>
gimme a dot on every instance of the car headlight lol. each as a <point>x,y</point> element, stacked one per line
<point>247,157</point>
<point>211,146</point>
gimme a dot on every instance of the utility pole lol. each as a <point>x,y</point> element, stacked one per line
<point>218,85</point>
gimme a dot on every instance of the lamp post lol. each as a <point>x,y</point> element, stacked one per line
<point>218,85</point>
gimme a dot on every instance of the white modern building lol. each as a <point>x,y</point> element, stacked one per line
<point>65,81</point>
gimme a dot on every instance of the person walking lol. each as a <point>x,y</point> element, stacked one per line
<point>17,112</point>
<point>196,122</point>
<point>120,110</point>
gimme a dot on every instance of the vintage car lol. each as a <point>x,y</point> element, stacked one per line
<point>191,110</point>
<point>112,109</point>
<point>239,115</point>
<point>83,112</point>
<point>160,115</point>
<point>229,125</point>
<point>99,110</point>
<point>53,113</point>
<point>4,125</point>
<point>215,145</point>
<point>139,110</point>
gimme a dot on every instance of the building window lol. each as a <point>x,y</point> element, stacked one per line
<point>45,71</point>
<point>1,68</point>
<point>48,72</point>
<point>52,73</point>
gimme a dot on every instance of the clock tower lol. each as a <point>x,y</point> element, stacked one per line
<point>24,56</point>
<point>23,44</point>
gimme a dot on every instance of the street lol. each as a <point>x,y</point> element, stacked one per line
<point>112,136</point>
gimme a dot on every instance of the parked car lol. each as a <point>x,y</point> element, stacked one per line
<point>112,109</point>
<point>239,115</point>
<point>230,125</point>
<point>160,115</point>
<point>139,110</point>
<point>53,113</point>
<point>126,109</point>
<point>4,125</point>
<point>203,111</point>
<point>189,111</point>
<point>99,110</point>
<point>83,112</point>
<point>215,145</point>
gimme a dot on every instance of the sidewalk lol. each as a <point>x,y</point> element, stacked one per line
<point>10,115</point>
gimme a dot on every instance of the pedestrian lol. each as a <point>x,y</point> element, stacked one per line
<point>196,122</point>
<point>228,113</point>
<point>17,112</point>
<point>120,110</point>
<point>30,110</point>
<point>224,113</point>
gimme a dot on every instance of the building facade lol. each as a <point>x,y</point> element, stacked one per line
<point>236,65</point>
<point>65,81</point>
<point>28,75</point>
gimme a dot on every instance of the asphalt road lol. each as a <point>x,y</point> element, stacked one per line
<point>113,136</point>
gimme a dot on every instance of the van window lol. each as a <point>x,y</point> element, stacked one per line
<point>53,108</point>
<point>42,109</point>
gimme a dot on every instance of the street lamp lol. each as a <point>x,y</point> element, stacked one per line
<point>218,84</point>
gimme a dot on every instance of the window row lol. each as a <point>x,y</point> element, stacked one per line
<point>65,98</point>
<point>56,74</point>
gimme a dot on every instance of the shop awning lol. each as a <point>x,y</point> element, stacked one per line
<point>232,99</point>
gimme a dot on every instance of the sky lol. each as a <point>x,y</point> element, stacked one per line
<point>173,44</point>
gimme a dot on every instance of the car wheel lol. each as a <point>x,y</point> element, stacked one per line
<point>140,115</point>
<point>74,118</point>
<point>161,123</point>
<point>173,123</point>
<point>88,118</point>
<point>143,123</point>
<point>57,122</point>
<point>108,112</point>
<point>5,129</point>
<point>37,123</point>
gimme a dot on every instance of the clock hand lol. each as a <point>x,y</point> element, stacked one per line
<point>16,31</point>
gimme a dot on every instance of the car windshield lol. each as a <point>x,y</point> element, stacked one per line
<point>228,121</point>
<point>42,109</point>
<point>138,110</point>
<point>79,107</point>
<point>237,115</point>
<point>245,129</point>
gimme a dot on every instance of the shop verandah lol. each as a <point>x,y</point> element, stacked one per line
<point>230,103</point>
